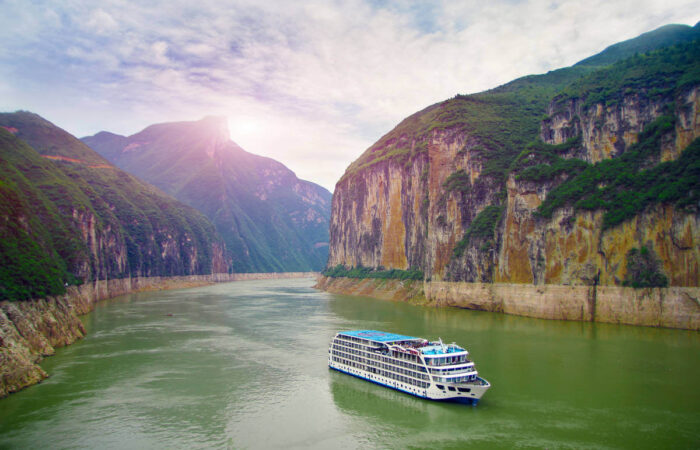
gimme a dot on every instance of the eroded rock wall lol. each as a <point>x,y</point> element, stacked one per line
<point>398,214</point>
<point>608,130</point>
<point>572,247</point>
<point>675,307</point>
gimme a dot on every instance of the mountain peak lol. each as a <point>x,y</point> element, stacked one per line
<point>216,125</point>
<point>214,119</point>
<point>270,220</point>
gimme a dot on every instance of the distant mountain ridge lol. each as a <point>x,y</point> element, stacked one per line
<point>68,216</point>
<point>270,220</point>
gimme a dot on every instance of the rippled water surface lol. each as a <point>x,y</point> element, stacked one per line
<point>244,365</point>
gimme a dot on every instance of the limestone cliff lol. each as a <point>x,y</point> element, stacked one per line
<point>396,214</point>
<point>500,187</point>
<point>573,247</point>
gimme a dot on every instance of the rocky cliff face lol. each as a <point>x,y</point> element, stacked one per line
<point>402,216</point>
<point>443,193</point>
<point>573,248</point>
<point>607,131</point>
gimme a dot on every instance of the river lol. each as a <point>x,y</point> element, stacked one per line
<point>244,365</point>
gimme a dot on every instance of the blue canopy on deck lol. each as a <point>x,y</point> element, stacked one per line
<point>379,336</point>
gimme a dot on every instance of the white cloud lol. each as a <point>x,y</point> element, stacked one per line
<point>101,22</point>
<point>158,54</point>
<point>312,82</point>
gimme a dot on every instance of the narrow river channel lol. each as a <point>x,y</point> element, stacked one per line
<point>244,365</point>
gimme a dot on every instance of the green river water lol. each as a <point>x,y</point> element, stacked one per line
<point>244,365</point>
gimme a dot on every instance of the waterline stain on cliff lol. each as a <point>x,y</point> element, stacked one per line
<point>674,307</point>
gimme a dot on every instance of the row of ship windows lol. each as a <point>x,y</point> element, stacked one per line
<point>408,365</point>
<point>446,360</point>
<point>361,360</point>
<point>376,357</point>
<point>451,370</point>
<point>384,373</point>
<point>382,359</point>
<point>456,379</point>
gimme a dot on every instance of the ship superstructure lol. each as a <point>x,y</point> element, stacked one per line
<point>433,370</point>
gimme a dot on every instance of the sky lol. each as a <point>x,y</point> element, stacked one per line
<point>311,84</point>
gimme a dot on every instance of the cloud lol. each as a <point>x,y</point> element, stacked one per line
<point>313,83</point>
<point>101,22</point>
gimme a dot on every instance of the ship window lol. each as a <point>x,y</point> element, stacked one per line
<point>464,389</point>
<point>439,386</point>
<point>452,388</point>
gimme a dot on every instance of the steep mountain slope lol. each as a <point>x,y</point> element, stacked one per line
<point>446,191</point>
<point>271,221</point>
<point>68,216</point>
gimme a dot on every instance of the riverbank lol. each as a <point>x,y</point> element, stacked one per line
<point>674,307</point>
<point>384,289</point>
<point>31,330</point>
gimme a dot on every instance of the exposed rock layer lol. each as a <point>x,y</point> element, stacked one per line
<point>399,215</point>
<point>675,307</point>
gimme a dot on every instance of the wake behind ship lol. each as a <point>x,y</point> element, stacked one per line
<point>414,365</point>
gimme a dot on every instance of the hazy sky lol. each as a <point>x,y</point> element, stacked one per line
<point>309,83</point>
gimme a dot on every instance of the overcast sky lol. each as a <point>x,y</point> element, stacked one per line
<point>309,83</point>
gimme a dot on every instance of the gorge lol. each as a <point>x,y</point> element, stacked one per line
<point>570,195</point>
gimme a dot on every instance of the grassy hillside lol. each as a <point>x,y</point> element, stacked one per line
<point>654,75</point>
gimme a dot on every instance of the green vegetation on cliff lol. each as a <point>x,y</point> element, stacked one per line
<point>65,221</point>
<point>643,269</point>
<point>482,227</point>
<point>542,162</point>
<point>368,272</point>
<point>664,36</point>
<point>457,182</point>
<point>623,189</point>
<point>654,75</point>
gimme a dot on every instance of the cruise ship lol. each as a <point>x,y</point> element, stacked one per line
<point>414,365</point>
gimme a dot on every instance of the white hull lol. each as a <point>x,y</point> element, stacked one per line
<point>476,389</point>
